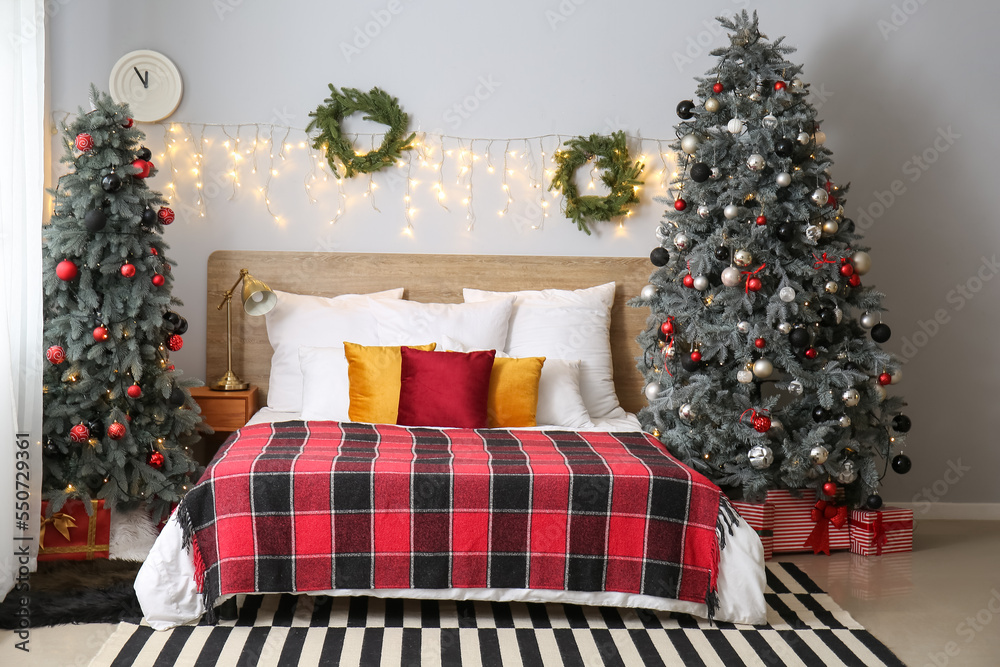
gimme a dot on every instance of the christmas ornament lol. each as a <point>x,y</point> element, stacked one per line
<point>51,448</point>
<point>116,431</point>
<point>818,455</point>
<point>763,368</point>
<point>884,379</point>
<point>111,183</point>
<point>797,85</point>
<point>704,211</point>
<point>143,168</point>
<point>144,154</point>
<point>687,280</point>
<point>695,356</point>
<point>177,397</point>
<point>760,456</point>
<point>700,283</point>
<point>667,327</point>
<point>846,269</point>
<point>158,280</point>
<point>756,162</point>
<point>668,351</point>
<point>881,333</point>
<point>874,501</point>
<point>135,391</point>
<point>689,143</point>
<point>786,294</point>
<point>700,172</point>
<point>79,433</point>
<point>681,241</point>
<point>680,204</point>
<point>862,262</point>
<point>844,421</point>
<point>686,412</point>
<point>779,85</point>
<point>128,122</point>
<point>813,233</point>
<point>128,270</point>
<point>175,343</point>
<point>155,460</point>
<point>827,317</point>
<point>901,464</point>
<point>760,343</point>
<point>712,105</point>
<point>803,138</point>
<point>796,387</point>
<point>769,121</point>
<point>652,391</point>
<point>742,258</point>
<point>689,364</point>
<point>879,392</point>
<point>66,270</point>
<point>799,338</point>
<point>811,353</point>
<point>730,276</point>
<point>785,232</point>
<point>165,215</point>
<point>743,326</point>
<point>96,429</point>
<point>830,489</point>
<point>869,320</point>
<point>171,319</point>
<point>761,220</point>
<point>901,424</point>
<point>784,147</point>
<point>84,142</point>
<point>785,327</point>
<point>95,220</point>
<point>735,126</point>
<point>831,287</point>
<point>744,376</point>
<point>717,87</point>
<point>854,281</point>
<point>897,376</point>
<point>648,293</point>
<point>761,423</point>
<point>100,334</point>
<point>830,227</point>
<point>819,137</point>
<point>659,257</point>
<point>731,211</point>
<point>851,397</point>
<point>685,109</point>
<point>56,354</point>
<point>820,197</point>
<point>820,414</point>
<point>148,218</point>
<point>754,284</point>
<point>848,473</point>
<point>715,172</point>
<point>722,253</point>
<point>783,179</point>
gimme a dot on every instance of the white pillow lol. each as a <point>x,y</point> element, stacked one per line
<point>325,385</point>
<point>479,326</point>
<point>566,324</point>
<point>314,321</point>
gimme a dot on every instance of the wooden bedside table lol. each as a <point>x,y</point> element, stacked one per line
<point>224,411</point>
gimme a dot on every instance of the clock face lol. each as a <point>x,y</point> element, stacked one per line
<point>149,83</point>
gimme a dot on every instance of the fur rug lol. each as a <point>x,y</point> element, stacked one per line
<point>97,591</point>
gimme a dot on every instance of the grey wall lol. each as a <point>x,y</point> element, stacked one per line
<point>895,81</point>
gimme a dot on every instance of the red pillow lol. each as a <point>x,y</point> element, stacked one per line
<point>444,388</point>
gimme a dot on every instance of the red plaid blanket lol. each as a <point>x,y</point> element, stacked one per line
<point>308,506</point>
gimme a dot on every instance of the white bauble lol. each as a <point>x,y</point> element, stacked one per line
<point>786,294</point>
<point>689,143</point>
<point>744,376</point>
<point>686,411</point>
<point>830,227</point>
<point>769,121</point>
<point>896,375</point>
<point>735,126</point>
<point>760,456</point>
<point>652,391</point>
<point>730,276</point>
<point>862,262</point>
<point>763,368</point>
<point>785,327</point>
<point>869,319</point>
<point>784,179</point>
<point>818,455</point>
<point>681,241</point>
<point>851,397</point>
<point>845,422</point>
<point>648,292</point>
<point>796,387</point>
<point>704,211</point>
<point>820,137</point>
<point>742,258</point>
<point>756,162</point>
<point>712,105</point>
<point>743,326</point>
<point>700,283</point>
<point>803,138</point>
<point>731,211</point>
<point>820,197</point>
<point>831,287</point>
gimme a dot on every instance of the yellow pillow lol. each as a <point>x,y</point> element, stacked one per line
<point>513,396</point>
<point>374,375</point>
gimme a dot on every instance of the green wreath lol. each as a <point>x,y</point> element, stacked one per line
<point>619,173</point>
<point>378,106</point>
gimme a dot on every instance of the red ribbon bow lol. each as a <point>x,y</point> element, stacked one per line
<point>882,529</point>
<point>746,290</point>
<point>820,261</point>
<point>824,513</point>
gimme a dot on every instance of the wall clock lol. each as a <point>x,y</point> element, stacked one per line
<point>148,82</point>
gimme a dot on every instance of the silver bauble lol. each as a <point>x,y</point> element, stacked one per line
<point>786,294</point>
<point>756,162</point>
<point>813,233</point>
<point>879,392</point>
<point>743,326</point>
<point>648,292</point>
<point>845,422</point>
<point>704,211</point>
<point>769,121</point>
<point>896,375</point>
<point>742,258</point>
<point>763,368</point>
<point>731,211</point>
<point>681,241</point>
<point>862,262</point>
<point>712,105</point>
<point>744,376</point>
<point>839,315</point>
<point>796,85</point>
<point>818,455</point>
<point>735,126</point>
<point>820,137</point>
<point>760,456</point>
<point>851,397</point>
<point>846,477</point>
<point>715,173</point>
<point>669,351</point>
<point>662,233</point>
<point>689,143</point>
<point>755,96</point>
<point>796,387</point>
<point>869,319</point>
<point>700,283</point>
<point>831,287</point>
<point>784,179</point>
<point>849,466</point>
<point>730,276</point>
<point>830,227</point>
<point>686,411</point>
<point>785,327</point>
<point>820,197</point>
<point>652,391</point>
<point>803,138</point>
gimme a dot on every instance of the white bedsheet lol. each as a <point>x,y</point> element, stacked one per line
<point>169,597</point>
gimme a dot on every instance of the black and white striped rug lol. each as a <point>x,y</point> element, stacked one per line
<point>805,627</point>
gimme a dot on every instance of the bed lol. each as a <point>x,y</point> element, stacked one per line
<point>194,565</point>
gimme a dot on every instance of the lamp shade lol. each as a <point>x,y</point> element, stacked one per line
<point>257,297</point>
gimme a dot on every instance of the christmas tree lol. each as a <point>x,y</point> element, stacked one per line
<point>762,351</point>
<point>118,418</point>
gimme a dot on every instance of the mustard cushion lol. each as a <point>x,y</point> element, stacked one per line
<point>374,376</point>
<point>513,395</point>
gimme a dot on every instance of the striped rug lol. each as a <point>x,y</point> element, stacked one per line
<point>805,627</point>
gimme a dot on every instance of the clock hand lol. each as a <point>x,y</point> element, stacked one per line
<point>145,81</point>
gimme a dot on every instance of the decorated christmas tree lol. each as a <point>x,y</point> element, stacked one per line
<point>118,418</point>
<point>762,351</point>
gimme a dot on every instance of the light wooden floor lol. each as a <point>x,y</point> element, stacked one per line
<point>938,606</point>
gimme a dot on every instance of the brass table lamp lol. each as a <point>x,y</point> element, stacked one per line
<point>258,299</point>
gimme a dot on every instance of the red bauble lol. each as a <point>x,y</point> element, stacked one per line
<point>165,215</point>
<point>66,270</point>
<point>170,367</point>
<point>143,168</point>
<point>884,379</point>
<point>79,433</point>
<point>667,328</point>
<point>846,269</point>
<point>100,334</point>
<point>158,280</point>
<point>56,354</point>
<point>688,280</point>
<point>830,489</point>
<point>84,142</point>
<point>128,270</point>
<point>779,85</point>
<point>175,342</point>
<point>812,353</point>
<point>155,460</point>
<point>753,284</point>
<point>854,280</point>
<point>680,204</point>
<point>761,423</point>
<point>761,220</point>
<point>116,431</point>
<point>718,87</point>
<point>135,391</point>
<point>128,122</point>
<point>696,356</point>
<point>760,343</point>
<point>153,251</point>
<point>151,165</point>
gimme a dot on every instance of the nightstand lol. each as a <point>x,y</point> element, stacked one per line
<point>224,411</point>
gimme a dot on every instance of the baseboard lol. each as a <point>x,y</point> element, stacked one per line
<point>953,511</point>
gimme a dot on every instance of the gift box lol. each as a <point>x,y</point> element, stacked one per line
<point>760,517</point>
<point>805,524</point>
<point>885,531</point>
<point>72,534</point>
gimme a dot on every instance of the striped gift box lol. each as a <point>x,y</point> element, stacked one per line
<point>760,517</point>
<point>885,531</point>
<point>793,523</point>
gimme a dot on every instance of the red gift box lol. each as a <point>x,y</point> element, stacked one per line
<point>72,534</point>
<point>885,531</point>
<point>760,517</point>
<point>803,524</point>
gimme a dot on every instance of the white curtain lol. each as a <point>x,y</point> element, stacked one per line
<point>22,183</point>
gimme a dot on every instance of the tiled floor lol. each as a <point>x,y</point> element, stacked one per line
<point>938,607</point>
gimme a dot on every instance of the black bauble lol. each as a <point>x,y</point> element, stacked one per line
<point>827,317</point>
<point>851,366</point>
<point>820,414</point>
<point>96,429</point>
<point>144,153</point>
<point>700,172</point>
<point>181,327</point>
<point>799,338</point>
<point>901,464</point>
<point>722,253</point>
<point>784,147</point>
<point>659,257</point>
<point>785,231</point>
<point>51,448</point>
<point>874,501</point>
<point>111,183</point>
<point>685,109</point>
<point>177,397</point>
<point>95,220</point>
<point>689,364</point>
<point>171,319</point>
<point>148,217</point>
<point>881,333</point>
<point>901,424</point>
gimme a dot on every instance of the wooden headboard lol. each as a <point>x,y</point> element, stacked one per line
<point>427,278</point>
